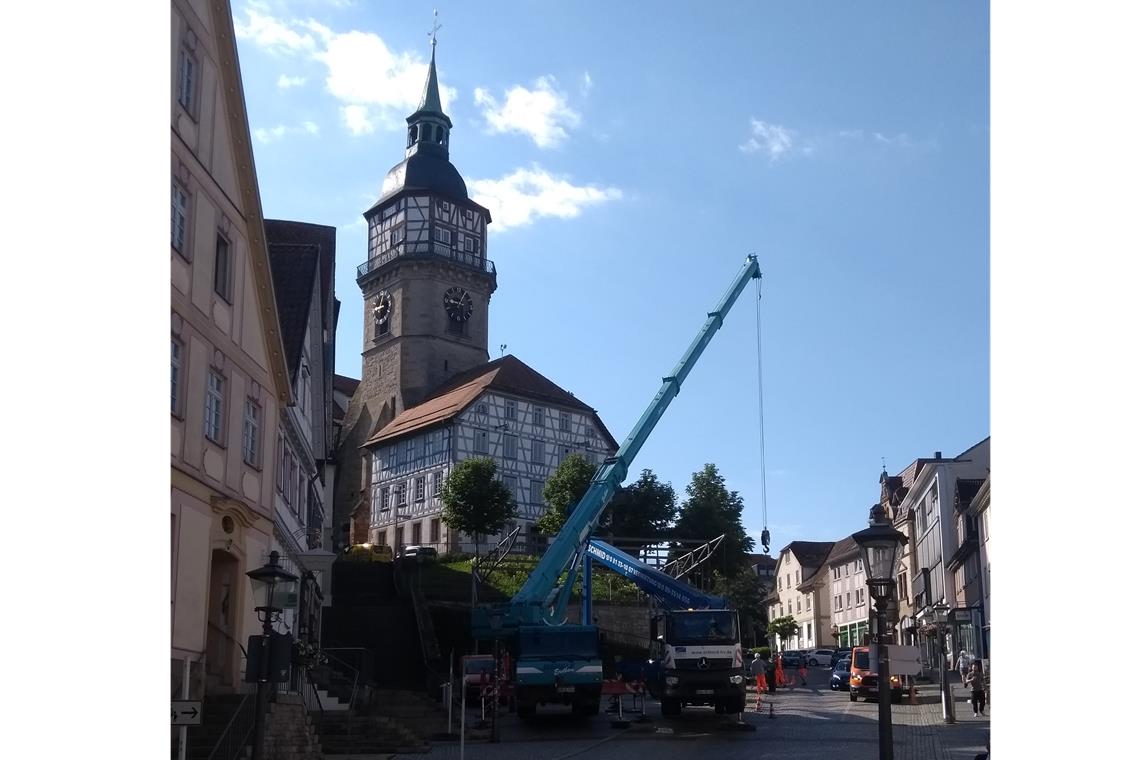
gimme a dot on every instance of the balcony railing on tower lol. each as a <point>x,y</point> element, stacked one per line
<point>425,250</point>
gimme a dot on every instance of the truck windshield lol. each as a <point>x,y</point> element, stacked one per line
<point>863,660</point>
<point>703,627</point>
<point>549,642</point>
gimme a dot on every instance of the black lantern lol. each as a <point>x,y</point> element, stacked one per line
<point>279,585</point>
<point>880,544</point>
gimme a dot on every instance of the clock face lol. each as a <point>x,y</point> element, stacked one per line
<point>383,308</point>
<point>457,303</point>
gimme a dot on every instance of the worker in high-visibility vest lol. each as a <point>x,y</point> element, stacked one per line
<point>803,671</point>
<point>761,687</point>
<point>780,680</point>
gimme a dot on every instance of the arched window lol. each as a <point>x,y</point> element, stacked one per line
<point>411,135</point>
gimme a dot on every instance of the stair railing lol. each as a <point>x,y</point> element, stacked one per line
<point>235,736</point>
<point>363,657</point>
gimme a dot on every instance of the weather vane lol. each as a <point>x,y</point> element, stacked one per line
<point>435,27</point>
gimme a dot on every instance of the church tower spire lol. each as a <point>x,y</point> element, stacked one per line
<point>429,128</point>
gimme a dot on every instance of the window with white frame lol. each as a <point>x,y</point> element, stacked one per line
<point>304,388</point>
<point>436,483</point>
<point>537,417</point>
<point>510,446</point>
<point>780,584</point>
<point>564,421</point>
<point>510,409</point>
<point>808,602</point>
<point>512,483</point>
<point>175,376</point>
<point>215,405</point>
<point>251,432</point>
<point>443,235</point>
<point>385,495</point>
<point>401,494</point>
<point>536,492</point>
<point>179,207</point>
<point>281,465</point>
<point>538,452</point>
<point>420,488</point>
<point>187,79</point>
<point>798,605</point>
<point>392,457</point>
<point>797,576</point>
<point>848,598</point>
<point>481,442</point>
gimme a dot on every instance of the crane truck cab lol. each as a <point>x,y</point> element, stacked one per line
<point>697,660</point>
<point>557,666</point>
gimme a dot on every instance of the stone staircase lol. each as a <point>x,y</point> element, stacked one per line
<point>344,734</point>
<point>289,731</point>
<point>216,714</point>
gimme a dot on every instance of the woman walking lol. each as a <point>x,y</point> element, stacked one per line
<point>963,665</point>
<point>976,683</point>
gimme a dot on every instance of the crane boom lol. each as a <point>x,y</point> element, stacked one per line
<point>529,605</point>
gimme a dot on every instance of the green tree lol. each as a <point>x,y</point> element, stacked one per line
<point>785,627</point>
<point>475,501</point>
<point>643,509</point>
<point>563,490</point>
<point>745,594</point>
<point>709,510</point>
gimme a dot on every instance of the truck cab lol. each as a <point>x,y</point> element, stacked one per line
<point>697,660</point>
<point>558,665</point>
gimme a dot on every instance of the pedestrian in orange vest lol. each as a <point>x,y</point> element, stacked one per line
<point>761,687</point>
<point>803,672</point>
<point>780,680</point>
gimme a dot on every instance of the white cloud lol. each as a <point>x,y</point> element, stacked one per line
<point>542,113</point>
<point>284,82</point>
<point>772,139</point>
<point>268,135</point>
<point>357,121</point>
<point>377,86</point>
<point>519,198</point>
<point>587,84</point>
<point>271,34</point>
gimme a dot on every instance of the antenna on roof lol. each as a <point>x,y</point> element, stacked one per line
<point>502,349</point>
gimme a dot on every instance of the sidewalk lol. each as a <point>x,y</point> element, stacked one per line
<point>925,733</point>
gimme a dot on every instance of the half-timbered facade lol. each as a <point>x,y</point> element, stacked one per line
<point>426,285</point>
<point>504,410</point>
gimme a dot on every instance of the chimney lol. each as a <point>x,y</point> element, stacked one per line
<point>938,455</point>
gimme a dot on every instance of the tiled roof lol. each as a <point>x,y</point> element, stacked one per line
<point>810,553</point>
<point>762,559</point>
<point>304,233</point>
<point>965,489</point>
<point>337,411</point>
<point>294,271</point>
<point>507,374</point>
<point>346,385</point>
<point>843,550</point>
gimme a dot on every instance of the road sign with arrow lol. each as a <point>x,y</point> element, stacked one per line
<point>186,713</point>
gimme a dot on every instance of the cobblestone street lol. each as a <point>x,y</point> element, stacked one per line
<point>806,722</point>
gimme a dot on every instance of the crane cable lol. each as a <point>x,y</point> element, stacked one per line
<point>765,537</point>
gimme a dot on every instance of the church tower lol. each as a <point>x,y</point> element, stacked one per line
<point>426,284</point>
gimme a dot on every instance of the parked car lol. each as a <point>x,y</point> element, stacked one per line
<point>864,683</point>
<point>792,658</point>
<point>368,553</point>
<point>842,653</point>
<point>818,657</point>
<point>420,552</point>
<point>841,676</point>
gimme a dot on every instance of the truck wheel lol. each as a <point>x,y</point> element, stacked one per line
<point>593,707</point>
<point>670,707</point>
<point>736,705</point>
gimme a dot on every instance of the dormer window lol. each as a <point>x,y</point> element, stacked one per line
<point>412,133</point>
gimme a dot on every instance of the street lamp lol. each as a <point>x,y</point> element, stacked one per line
<point>880,544</point>
<point>940,614</point>
<point>268,576</point>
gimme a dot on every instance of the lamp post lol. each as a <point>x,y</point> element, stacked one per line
<point>940,613</point>
<point>268,575</point>
<point>880,544</point>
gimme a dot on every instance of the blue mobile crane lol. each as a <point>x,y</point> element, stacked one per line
<point>556,662</point>
<point>694,638</point>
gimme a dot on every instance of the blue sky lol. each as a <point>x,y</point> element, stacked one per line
<point>631,159</point>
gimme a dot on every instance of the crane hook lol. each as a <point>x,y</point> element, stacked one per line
<point>765,539</point>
